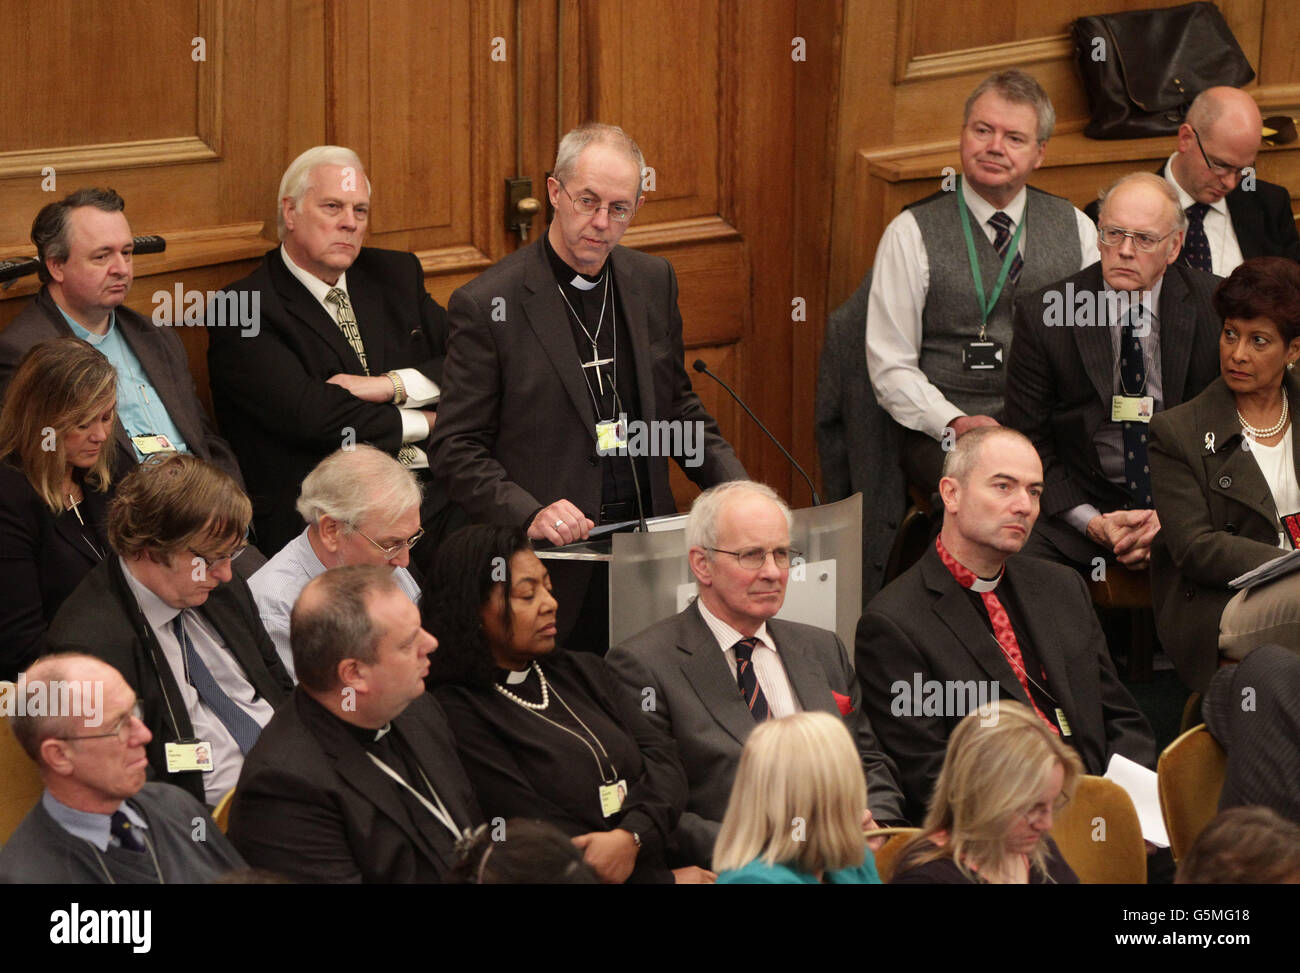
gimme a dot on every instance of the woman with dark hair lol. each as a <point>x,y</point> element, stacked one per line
<point>54,479</point>
<point>1226,483</point>
<point>544,733</point>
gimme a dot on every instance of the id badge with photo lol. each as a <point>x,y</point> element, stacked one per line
<point>149,445</point>
<point>182,757</point>
<point>612,797</point>
<point>1131,408</point>
<point>611,435</point>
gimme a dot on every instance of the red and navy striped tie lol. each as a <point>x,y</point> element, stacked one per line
<point>748,679</point>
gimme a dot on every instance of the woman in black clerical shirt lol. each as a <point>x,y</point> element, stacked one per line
<point>56,427</point>
<point>545,733</point>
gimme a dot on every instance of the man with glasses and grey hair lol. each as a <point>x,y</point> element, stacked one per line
<point>949,267</point>
<point>99,821</point>
<point>554,354</point>
<point>1232,215</point>
<point>708,675</point>
<point>361,507</point>
<point>1094,357</point>
<point>348,349</point>
<point>170,613</point>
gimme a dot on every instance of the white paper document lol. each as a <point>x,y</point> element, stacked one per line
<point>1140,784</point>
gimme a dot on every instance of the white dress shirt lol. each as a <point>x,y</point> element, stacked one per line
<point>1225,251</point>
<point>226,757</point>
<point>768,670</point>
<point>1277,463</point>
<point>899,286</point>
<point>420,389</point>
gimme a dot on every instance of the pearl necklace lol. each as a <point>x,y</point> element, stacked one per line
<point>546,692</point>
<point>1272,430</point>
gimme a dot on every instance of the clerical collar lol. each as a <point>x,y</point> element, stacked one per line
<point>986,584</point>
<point>566,274</point>
<point>964,575</point>
<point>514,678</point>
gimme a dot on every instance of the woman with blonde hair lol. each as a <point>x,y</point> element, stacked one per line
<point>55,424</point>
<point>1002,781</point>
<point>796,809</point>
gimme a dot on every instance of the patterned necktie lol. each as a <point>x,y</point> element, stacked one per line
<point>119,826</point>
<point>1003,633</point>
<point>1133,381</point>
<point>1001,224</point>
<point>347,323</point>
<point>242,727</point>
<point>748,679</point>
<point>1196,245</point>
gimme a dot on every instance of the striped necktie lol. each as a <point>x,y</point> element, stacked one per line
<point>1001,224</point>
<point>748,679</point>
<point>233,717</point>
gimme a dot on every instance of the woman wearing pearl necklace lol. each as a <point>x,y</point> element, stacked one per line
<point>544,733</point>
<point>1227,486</point>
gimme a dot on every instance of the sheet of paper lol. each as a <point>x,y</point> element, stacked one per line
<point>1140,784</point>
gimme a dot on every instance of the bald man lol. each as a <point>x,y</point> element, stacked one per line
<point>1232,216</point>
<point>1093,357</point>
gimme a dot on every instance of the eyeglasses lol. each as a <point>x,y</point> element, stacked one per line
<point>1113,236</point>
<point>1218,168</point>
<point>753,558</point>
<point>392,552</point>
<point>588,205</point>
<point>1039,811</point>
<point>211,561</point>
<point>121,729</point>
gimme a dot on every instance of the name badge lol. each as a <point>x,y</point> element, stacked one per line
<point>612,797</point>
<point>182,757</point>
<point>611,435</point>
<point>1132,408</point>
<point>153,444</point>
<point>982,356</point>
<point>1063,723</point>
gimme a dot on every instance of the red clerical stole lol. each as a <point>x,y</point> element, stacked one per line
<point>1003,633</point>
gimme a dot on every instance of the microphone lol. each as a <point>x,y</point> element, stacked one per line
<point>700,366</point>
<point>148,244</point>
<point>11,270</point>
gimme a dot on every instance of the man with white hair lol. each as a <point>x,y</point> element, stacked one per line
<point>361,507</point>
<point>348,347</point>
<point>98,820</point>
<point>710,674</point>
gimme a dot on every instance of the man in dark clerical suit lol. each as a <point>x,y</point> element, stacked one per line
<point>1134,333</point>
<point>170,614</point>
<point>84,245</point>
<point>348,348</point>
<point>710,674</point>
<point>356,778</point>
<point>1232,215</point>
<point>972,622</point>
<point>549,349</point>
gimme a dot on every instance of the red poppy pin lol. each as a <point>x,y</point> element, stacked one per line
<point>845,703</point>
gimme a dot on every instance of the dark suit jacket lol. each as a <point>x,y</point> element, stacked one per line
<point>1060,381</point>
<point>924,624</point>
<point>1262,742</point>
<point>269,390</point>
<point>1217,520</point>
<point>161,355</point>
<point>1261,218</point>
<point>43,557</point>
<point>101,618</point>
<point>697,701</point>
<point>857,440</point>
<point>312,806</point>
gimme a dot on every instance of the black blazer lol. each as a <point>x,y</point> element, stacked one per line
<point>923,624</point>
<point>311,805</point>
<point>161,355</point>
<point>1217,520</point>
<point>101,618</point>
<point>269,389</point>
<point>1261,218</point>
<point>43,557</point>
<point>1060,379</point>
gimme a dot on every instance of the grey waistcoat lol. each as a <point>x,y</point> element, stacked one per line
<point>952,317</point>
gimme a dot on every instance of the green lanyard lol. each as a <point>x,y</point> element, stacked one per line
<point>986,307</point>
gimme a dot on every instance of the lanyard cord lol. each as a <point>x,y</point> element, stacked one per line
<point>147,843</point>
<point>986,307</point>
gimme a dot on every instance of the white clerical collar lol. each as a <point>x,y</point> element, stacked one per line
<point>982,209</point>
<point>514,678</point>
<point>583,284</point>
<point>987,584</point>
<point>382,731</point>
